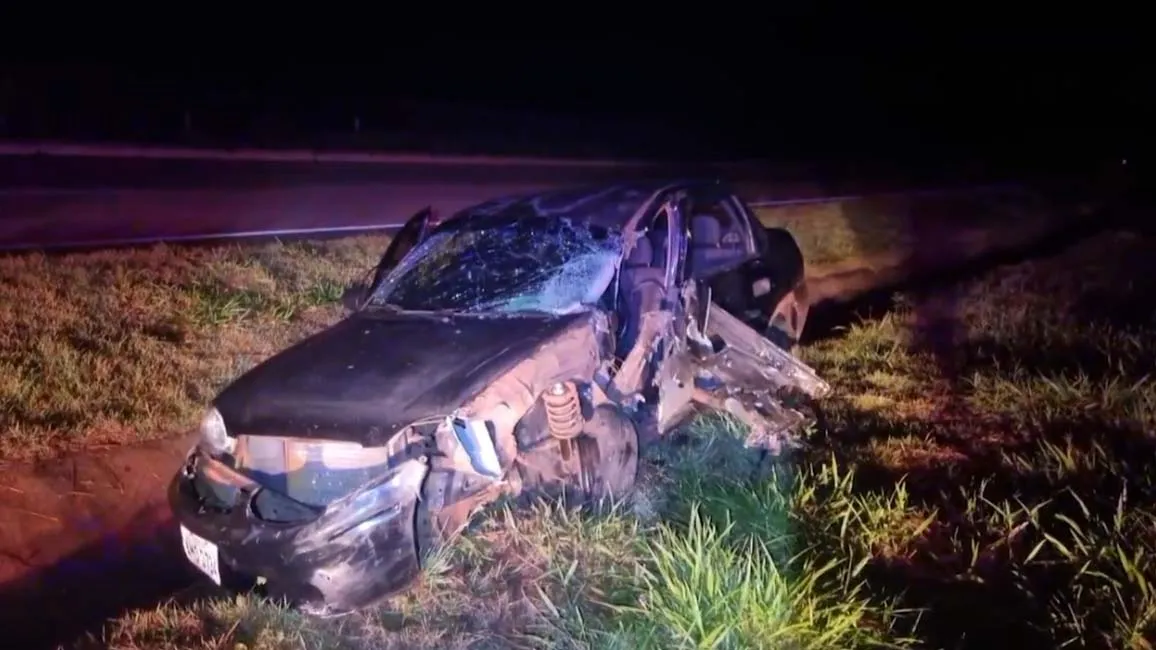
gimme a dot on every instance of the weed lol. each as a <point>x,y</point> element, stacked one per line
<point>1006,496</point>
<point>115,346</point>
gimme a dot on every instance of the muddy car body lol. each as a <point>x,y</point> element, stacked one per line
<point>525,346</point>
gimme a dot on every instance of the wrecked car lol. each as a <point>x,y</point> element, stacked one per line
<point>525,346</point>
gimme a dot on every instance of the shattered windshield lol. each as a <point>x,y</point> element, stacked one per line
<point>505,264</point>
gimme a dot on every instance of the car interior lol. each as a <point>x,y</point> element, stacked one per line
<point>715,247</point>
<point>716,239</point>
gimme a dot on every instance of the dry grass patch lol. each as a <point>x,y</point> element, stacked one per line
<point>1006,494</point>
<point>116,346</point>
<point>849,234</point>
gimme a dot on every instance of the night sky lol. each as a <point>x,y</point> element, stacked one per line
<point>848,85</point>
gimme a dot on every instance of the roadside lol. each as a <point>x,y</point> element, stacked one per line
<point>124,343</point>
<point>125,346</point>
<point>99,518</point>
<point>998,487</point>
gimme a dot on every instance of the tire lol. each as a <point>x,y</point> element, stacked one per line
<point>783,261</point>
<point>609,453</point>
<point>783,258</point>
<point>605,466</point>
<point>789,318</point>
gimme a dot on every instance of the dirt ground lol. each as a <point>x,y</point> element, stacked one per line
<point>88,537</point>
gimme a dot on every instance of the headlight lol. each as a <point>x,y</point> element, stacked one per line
<point>214,435</point>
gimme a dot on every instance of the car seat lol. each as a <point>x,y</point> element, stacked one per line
<point>707,252</point>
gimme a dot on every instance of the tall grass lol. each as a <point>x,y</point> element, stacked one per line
<point>1008,496</point>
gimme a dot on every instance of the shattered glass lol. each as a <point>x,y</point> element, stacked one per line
<point>505,264</point>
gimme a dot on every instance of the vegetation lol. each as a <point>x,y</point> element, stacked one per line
<point>840,234</point>
<point>124,345</point>
<point>998,486</point>
<point>118,346</point>
<point>984,471</point>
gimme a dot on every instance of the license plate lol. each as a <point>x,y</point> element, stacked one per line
<point>202,553</point>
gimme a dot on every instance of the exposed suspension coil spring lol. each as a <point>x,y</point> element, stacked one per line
<point>563,410</point>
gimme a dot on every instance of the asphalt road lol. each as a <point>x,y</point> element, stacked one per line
<point>62,202</point>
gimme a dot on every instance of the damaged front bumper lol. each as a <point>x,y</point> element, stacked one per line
<point>328,561</point>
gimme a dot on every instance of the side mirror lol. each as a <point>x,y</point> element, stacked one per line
<point>354,296</point>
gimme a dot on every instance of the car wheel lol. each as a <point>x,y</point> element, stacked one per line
<point>785,328</point>
<point>608,454</point>
<point>600,462</point>
<point>783,258</point>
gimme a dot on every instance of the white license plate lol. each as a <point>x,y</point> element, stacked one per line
<point>202,553</point>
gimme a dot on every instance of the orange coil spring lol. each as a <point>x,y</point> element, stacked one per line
<point>563,410</point>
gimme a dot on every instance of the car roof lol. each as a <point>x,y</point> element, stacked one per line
<point>605,205</point>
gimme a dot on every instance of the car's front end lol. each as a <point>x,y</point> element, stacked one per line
<point>340,512</point>
<point>316,549</point>
<point>331,469</point>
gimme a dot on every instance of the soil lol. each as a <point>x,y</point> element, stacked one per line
<point>86,538</point>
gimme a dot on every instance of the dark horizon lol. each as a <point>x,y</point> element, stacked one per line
<point>899,96</point>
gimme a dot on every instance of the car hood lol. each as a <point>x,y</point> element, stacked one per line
<point>374,373</point>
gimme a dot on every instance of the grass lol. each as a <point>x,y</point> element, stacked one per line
<point>105,348</point>
<point>983,473</point>
<point>853,231</point>
<point>124,345</point>
<point>554,577</point>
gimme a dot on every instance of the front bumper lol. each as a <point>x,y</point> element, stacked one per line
<point>357,551</point>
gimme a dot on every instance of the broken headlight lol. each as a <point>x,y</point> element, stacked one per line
<point>313,472</point>
<point>214,436</point>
